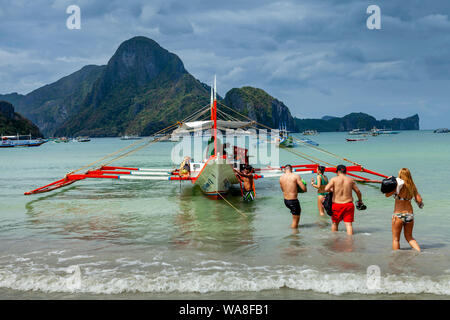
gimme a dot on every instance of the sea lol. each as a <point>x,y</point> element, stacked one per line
<point>105,239</point>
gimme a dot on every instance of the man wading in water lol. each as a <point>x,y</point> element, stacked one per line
<point>246,177</point>
<point>290,184</point>
<point>343,207</point>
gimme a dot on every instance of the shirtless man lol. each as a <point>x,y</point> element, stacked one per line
<point>343,207</point>
<point>289,183</point>
<point>246,177</point>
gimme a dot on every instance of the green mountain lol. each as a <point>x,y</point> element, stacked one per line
<point>260,106</point>
<point>12,123</point>
<point>355,121</point>
<point>143,89</point>
<point>51,105</point>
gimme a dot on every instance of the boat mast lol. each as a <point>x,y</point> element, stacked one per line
<point>215,117</point>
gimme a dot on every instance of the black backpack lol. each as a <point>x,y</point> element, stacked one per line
<point>388,185</point>
<point>328,203</point>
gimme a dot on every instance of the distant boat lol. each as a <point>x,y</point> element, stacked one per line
<point>353,140</point>
<point>20,141</point>
<point>387,131</point>
<point>130,137</point>
<point>83,139</point>
<point>358,132</point>
<point>61,140</point>
<point>310,133</point>
<point>285,139</point>
<point>441,130</point>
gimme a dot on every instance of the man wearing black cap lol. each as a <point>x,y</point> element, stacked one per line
<point>343,207</point>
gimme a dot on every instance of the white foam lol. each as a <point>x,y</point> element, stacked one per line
<point>113,281</point>
<point>74,258</point>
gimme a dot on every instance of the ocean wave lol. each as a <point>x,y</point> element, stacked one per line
<point>238,279</point>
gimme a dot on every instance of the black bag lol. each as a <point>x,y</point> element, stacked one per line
<point>328,203</point>
<point>388,185</point>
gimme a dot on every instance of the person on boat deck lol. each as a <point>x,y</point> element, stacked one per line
<point>403,217</point>
<point>185,167</point>
<point>290,184</point>
<point>246,177</point>
<point>224,149</point>
<point>343,207</point>
<point>321,182</point>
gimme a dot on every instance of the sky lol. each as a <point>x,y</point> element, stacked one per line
<point>317,56</point>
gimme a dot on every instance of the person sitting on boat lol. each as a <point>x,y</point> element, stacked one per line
<point>246,177</point>
<point>403,217</point>
<point>291,184</point>
<point>185,167</point>
<point>321,182</point>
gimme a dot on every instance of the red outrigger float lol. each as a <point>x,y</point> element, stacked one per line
<point>127,173</point>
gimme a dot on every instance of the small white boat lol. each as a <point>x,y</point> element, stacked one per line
<point>358,132</point>
<point>83,139</point>
<point>130,137</point>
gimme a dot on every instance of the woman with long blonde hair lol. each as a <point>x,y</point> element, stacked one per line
<point>403,217</point>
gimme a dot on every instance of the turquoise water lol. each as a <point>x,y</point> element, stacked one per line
<point>159,240</point>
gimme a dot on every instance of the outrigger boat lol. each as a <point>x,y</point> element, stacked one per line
<point>214,175</point>
<point>20,141</point>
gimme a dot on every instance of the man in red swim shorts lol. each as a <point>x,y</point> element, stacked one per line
<point>343,208</point>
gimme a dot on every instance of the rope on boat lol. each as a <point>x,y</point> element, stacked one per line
<point>123,149</point>
<point>306,144</point>
<point>231,205</point>
<point>299,155</point>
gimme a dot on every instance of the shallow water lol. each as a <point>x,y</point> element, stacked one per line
<point>160,240</point>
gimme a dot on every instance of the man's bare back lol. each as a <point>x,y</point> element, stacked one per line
<point>289,183</point>
<point>343,208</point>
<point>342,187</point>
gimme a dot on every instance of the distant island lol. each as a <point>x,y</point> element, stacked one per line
<point>145,88</point>
<point>12,123</point>
<point>356,121</point>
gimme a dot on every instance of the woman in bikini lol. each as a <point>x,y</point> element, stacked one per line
<point>321,182</point>
<point>403,217</point>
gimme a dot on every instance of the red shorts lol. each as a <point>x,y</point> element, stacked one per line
<point>343,211</point>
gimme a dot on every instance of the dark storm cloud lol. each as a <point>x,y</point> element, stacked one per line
<point>316,56</point>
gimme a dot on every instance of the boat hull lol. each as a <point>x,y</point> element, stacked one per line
<point>216,178</point>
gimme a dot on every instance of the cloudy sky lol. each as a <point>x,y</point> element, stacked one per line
<point>317,56</point>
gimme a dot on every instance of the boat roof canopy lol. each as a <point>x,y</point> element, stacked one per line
<point>208,124</point>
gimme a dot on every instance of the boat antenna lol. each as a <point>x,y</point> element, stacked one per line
<point>212,104</point>
<point>215,117</point>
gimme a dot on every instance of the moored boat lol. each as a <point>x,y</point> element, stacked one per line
<point>358,132</point>
<point>21,141</point>
<point>310,133</point>
<point>83,139</point>
<point>130,137</point>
